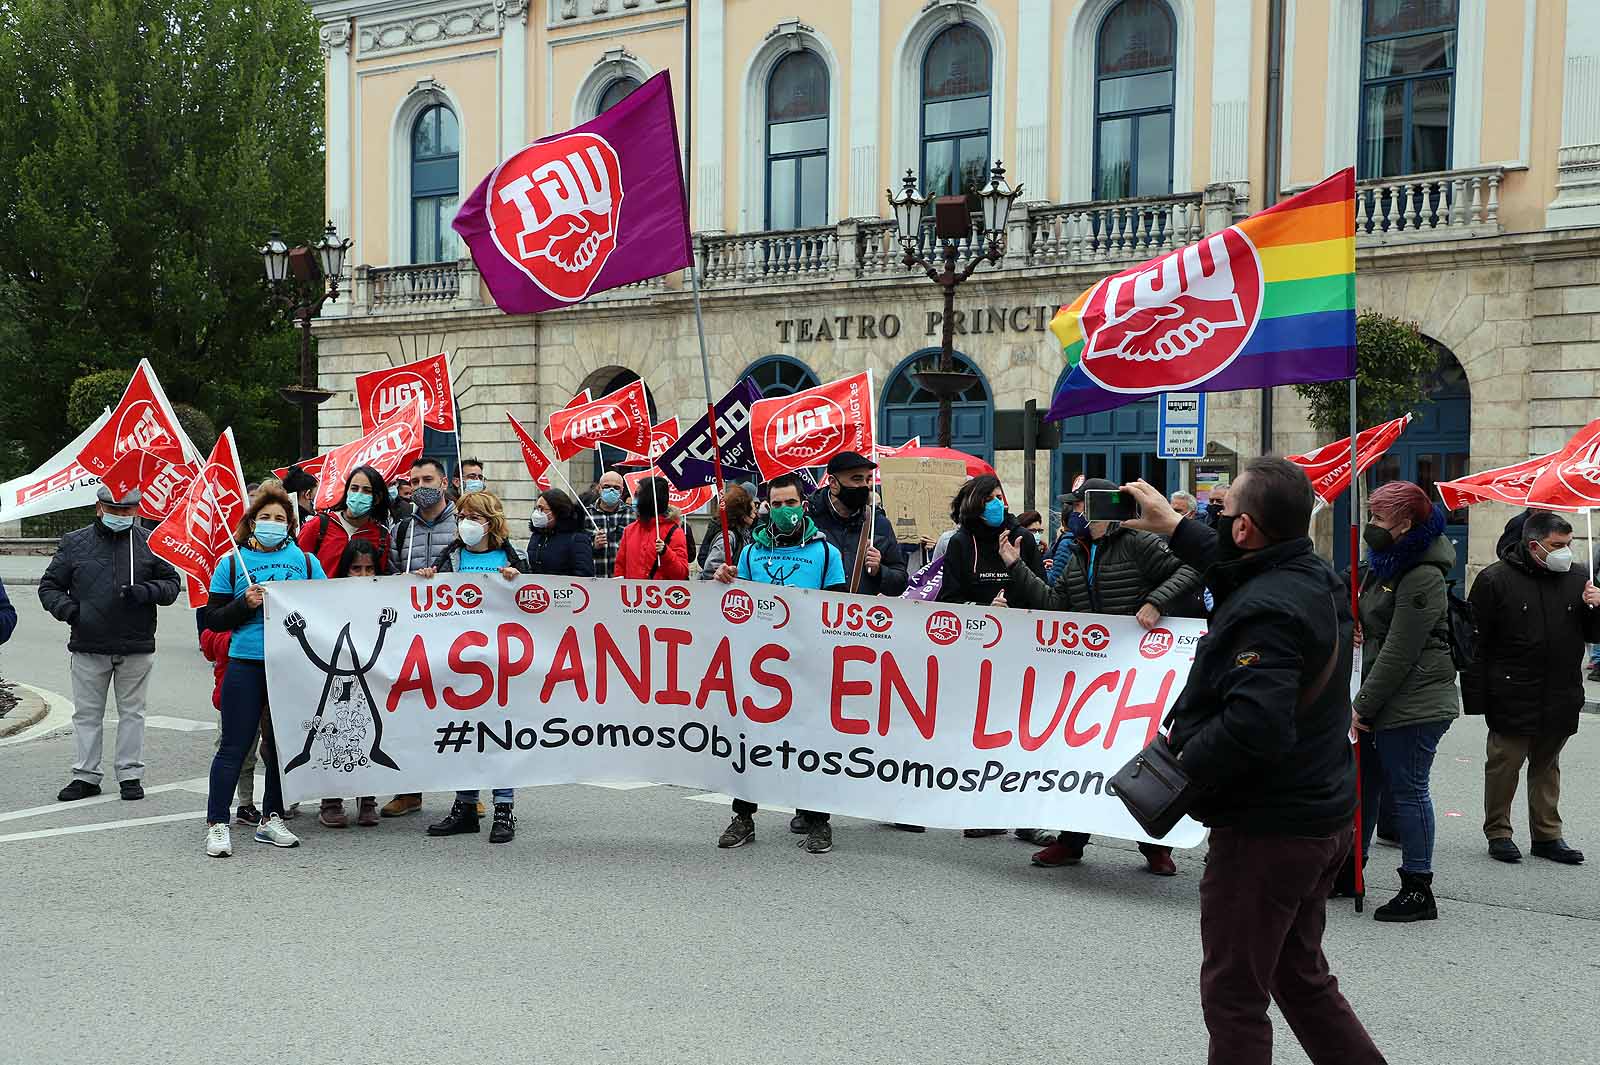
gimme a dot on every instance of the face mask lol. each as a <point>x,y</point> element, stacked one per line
<point>1077,525</point>
<point>785,520</point>
<point>269,533</point>
<point>471,532</point>
<point>540,520</point>
<point>394,493</point>
<point>1557,561</point>
<point>117,522</point>
<point>610,496</point>
<point>357,504</point>
<point>1037,534</point>
<point>1378,538</point>
<point>473,484</point>
<point>426,498</point>
<point>1227,550</point>
<point>854,498</point>
<point>994,513</point>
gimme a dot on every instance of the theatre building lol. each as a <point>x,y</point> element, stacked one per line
<point>1134,126</point>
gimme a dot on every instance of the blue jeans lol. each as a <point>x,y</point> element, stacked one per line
<point>244,706</point>
<point>1406,754</point>
<point>505,795</point>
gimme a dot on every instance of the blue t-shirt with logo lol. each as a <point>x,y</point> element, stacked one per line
<point>813,564</point>
<point>492,561</point>
<point>288,563</point>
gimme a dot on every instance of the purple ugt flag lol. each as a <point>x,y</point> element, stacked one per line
<point>597,207</point>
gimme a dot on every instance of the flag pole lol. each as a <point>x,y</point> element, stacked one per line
<point>1355,613</point>
<point>711,414</point>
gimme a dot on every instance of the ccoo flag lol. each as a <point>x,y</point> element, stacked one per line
<point>1267,301</point>
<point>597,207</point>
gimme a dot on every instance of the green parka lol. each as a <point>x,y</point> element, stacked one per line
<point>1407,675</point>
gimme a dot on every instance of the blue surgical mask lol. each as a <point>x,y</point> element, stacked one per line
<point>394,493</point>
<point>473,484</point>
<point>357,504</point>
<point>610,496</point>
<point>117,522</point>
<point>270,533</point>
<point>994,513</point>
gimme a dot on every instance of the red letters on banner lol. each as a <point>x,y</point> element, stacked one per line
<point>381,394</point>
<point>620,418</point>
<point>808,428</point>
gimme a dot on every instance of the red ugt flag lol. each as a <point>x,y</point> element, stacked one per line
<point>160,483</point>
<point>662,434</point>
<point>1572,480</point>
<point>143,421</point>
<point>383,393</point>
<point>620,418</point>
<point>389,448</point>
<point>1329,465</point>
<point>533,455</point>
<point>1504,484</point>
<point>597,207</point>
<point>808,428</point>
<point>199,530</point>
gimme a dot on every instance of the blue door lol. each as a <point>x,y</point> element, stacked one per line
<point>908,410</point>
<point>1119,445</point>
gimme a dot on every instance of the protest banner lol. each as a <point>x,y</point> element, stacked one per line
<point>917,494</point>
<point>381,394</point>
<point>389,449</point>
<point>60,483</point>
<point>926,713</point>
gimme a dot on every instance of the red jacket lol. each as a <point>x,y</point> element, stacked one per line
<point>637,554</point>
<point>214,645</point>
<point>334,540</point>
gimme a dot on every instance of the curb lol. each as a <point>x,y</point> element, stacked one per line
<point>29,712</point>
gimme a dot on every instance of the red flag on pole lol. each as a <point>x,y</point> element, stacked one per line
<point>383,393</point>
<point>1503,484</point>
<point>142,421</point>
<point>199,530</point>
<point>389,448</point>
<point>309,466</point>
<point>808,428</point>
<point>1572,479</point>
<point>620,418</point>
<point>533,455</point>
<point>1329,465</point>
<point>662,434</point>
<point>687,500</point>
<point>160,483</point>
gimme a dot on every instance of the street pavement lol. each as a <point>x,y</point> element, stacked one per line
<point>613,930</point>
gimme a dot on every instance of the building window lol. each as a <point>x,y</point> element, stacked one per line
<point>435,145</point>
<point>1408,69</point>
<point>910,410</point>
<point>779,375</point>
<point>956,80</point>
<point>614,93</point>
<point>1133,90</point>
<point>797,142</point>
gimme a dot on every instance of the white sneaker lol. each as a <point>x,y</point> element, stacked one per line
<point>272,830</point>
<point>219,841</point>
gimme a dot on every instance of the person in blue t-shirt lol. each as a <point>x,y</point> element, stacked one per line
<point>787,550</point>
<point>482,545</point>
<point>265,554</point>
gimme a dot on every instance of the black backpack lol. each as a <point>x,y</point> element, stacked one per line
<point>1459,629</point>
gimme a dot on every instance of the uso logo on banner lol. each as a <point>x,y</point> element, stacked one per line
<point>553,211</point>
<point>1176,321</point>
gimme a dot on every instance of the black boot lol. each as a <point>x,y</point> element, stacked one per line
<point>1414,903</point>
<point>505,825</point>
<point>462,818</point>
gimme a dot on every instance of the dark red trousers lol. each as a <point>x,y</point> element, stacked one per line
<point>1263,907</point>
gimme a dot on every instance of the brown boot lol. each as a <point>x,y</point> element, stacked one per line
<point>332,814</point>
<point>367,816</point>
<point>401,805</point>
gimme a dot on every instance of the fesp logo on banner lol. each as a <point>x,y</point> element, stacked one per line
<point>1177,322</point>
<point>553,212</point>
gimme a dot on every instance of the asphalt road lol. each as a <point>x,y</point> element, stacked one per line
<point>613,930</point>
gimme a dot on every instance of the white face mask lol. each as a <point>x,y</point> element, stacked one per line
<point>471,532</point>
<point>1557,561</point>
<point>540,520</point>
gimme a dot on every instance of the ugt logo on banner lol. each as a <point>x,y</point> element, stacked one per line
<point>382,394</point>
<point>810,427</point>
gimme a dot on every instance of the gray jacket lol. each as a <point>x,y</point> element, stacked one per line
<point>417,542</point>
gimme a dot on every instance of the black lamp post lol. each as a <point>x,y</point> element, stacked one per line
<point>302,280</point>
<point>952,227</point>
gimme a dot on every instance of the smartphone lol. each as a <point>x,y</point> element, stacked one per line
<point>1109,505</point>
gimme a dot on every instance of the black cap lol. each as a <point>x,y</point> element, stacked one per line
<point>1098,484</point>
<point>850,460</point>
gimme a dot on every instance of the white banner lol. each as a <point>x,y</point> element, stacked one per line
<point>886,709</point>
<point>60,484</point>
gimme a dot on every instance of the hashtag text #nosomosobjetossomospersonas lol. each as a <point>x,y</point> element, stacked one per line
<point>858,763</point>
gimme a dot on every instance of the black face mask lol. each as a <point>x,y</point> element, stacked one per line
<point>1227,550</point>
<point>854,498</point>
<point>1378,538</point>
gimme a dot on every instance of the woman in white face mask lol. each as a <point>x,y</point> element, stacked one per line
<point>559,545</point>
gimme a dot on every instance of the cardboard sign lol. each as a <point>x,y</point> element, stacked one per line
<point>917,494</point>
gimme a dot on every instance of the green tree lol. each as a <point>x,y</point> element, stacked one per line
<point>149,146</point>
<point>1394,363</point>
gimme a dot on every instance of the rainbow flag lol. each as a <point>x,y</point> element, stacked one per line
<point>1268,301</point>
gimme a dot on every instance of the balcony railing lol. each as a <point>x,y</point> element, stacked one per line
<point>1441,206</point>
<point>776,256</point>
<point>416,289</point>
<point>1115,231</point>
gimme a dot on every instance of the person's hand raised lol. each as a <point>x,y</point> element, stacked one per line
<point>1155,513</point>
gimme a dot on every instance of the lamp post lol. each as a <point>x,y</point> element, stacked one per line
<point>301,280</point>
<point>952,228</point>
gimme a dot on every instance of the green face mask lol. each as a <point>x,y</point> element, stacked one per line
<point>785,520</point>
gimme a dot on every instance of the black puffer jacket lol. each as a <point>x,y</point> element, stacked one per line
<point>1262,763</point>
<point>973,572</point>
<point>566,549</point>
<point>1531,627</point>
<point>107,586</point>
<point>1130,569</point>
<point>845,534</point>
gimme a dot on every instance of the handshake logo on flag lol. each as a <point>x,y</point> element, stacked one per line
<point>562,199</point>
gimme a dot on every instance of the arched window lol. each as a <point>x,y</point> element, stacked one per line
<point>1133,89</point>
<point>797,142</point>
<point>910,410</point>
<point>435,145</point>
<point>956,80</point>
<point>614,93</point>
<point>780,375</point>
<point>1408,69</point>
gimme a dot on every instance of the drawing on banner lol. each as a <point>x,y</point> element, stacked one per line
<point>343,735</point>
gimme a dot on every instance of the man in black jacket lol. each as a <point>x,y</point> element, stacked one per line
<point>839,513</point>
<point>1532,612</point>
<point>1262,728</point>
<point>105,582</point>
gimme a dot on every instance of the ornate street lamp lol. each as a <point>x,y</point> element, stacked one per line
<point>302,280</point>
<point>952,229</point>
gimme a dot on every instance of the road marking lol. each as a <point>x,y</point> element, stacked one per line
<point>620,785</point>
<point>101,826</point>
<point>199,785</point>
<point>719,799</point>
<point>180,724</point>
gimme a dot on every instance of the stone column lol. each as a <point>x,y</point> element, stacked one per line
<point>1577,201</point>
<point>335,38</point>
<point>513,16</point>
<point>709,119</point>
<point>1230,96</point>
<point>865,201</point>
